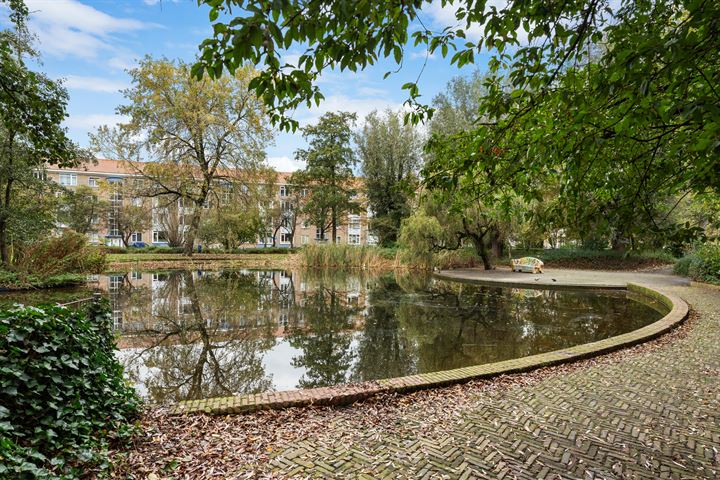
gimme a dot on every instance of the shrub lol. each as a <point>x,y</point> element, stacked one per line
<point>682,266</point>
<point>704,264</point>
<point>62,393</point>
<point>461,258</point>
<point>68,253</point>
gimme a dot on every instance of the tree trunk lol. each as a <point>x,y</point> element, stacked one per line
<point>481,249</point>
<point>496,243</point>
<point>192,231</point>
<point>4,250</point>
<point>334,226</point>
<point>4,246</point>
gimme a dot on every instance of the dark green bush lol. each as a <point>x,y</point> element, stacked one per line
<point>704,263</point>
<point>682,266</point>
<point>63,397</point>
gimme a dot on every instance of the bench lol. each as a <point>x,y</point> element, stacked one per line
<point>527,264</point>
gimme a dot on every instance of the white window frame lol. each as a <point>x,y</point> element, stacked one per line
<point>93,182</point>
<point>68,179</point>
<point>136,237</point>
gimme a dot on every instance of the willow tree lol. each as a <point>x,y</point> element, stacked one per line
<point>190,140</point>
<point>390,155</point>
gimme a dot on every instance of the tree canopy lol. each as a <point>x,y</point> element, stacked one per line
<point>204,137</point>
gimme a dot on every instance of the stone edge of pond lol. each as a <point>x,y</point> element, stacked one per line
<point>348,394</point>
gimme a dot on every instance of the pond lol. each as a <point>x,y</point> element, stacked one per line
<point>198,334</point>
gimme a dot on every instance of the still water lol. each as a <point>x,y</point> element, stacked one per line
<point>193,334</point>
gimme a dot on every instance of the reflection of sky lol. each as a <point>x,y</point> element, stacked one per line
<point>277,362</point>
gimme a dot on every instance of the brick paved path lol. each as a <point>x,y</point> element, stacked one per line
<point>652,414</point>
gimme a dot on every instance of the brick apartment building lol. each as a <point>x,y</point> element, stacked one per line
<point>353,230</point>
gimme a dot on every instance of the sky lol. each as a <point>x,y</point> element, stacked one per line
<point>90,45</point>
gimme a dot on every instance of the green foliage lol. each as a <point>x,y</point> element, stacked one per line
<point>32,110</point>
<point>703,264</point>
<point>390,156</point>
<point>341,256</point>
<point>81,209</point>
<point>231,226</point>
<point>68,253</point>
<point>328,175</point>
<point>199,140</point>
<point>13,280</point>
<point>62,397</point>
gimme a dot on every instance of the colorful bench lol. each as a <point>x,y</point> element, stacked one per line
<point>527,264</point>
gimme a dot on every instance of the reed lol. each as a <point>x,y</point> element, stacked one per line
<point>343,257</point>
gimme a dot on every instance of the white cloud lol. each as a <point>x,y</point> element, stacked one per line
<point>422,55</point>
<point>362,105</point>
<point>92,121</point>
<point>285,164</point>
<point>68,28</point>
<point>94,84</point>
<point>444,16</point>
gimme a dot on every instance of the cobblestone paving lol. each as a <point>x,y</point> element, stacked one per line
<point>654,414</point>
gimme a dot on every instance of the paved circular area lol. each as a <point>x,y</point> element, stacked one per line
<point>564,278</point>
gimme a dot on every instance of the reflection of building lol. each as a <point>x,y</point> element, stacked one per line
<point>145,305</point>
<point>353,231</point>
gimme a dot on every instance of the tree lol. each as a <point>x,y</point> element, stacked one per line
<point>571,84</point>
<point>171,221</point>
<point>328,172</point>
<point>201,135</point>
<point>32,109</point>
<point>82,210</point>
<point>390,156</point>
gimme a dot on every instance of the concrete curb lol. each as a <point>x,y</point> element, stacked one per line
<point>348,394</point>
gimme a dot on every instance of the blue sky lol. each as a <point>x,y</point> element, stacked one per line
<point>90,44</point>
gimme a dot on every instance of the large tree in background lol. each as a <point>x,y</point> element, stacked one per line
<point>32,109</point>
<point>390,155</point>
<point>201,136</point>
<point>328,175</point>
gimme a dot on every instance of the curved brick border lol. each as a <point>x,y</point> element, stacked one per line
<point>347,394</point>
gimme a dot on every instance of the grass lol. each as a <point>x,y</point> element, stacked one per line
<point>177,257</point>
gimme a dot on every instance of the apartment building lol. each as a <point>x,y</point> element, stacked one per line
<point>353,230</point>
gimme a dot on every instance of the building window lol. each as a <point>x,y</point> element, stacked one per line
<point>354,221</point>
<point>159,236</point>
<point>136,275</point>
<point>318,234</point>
<point>136,237</point>
<point>93,182</point>
<point>283,190</point>
<point>285,238</point>
<point>304,239</point>
<point>68,179</point>
<point>40,174</point>
<point>137,202</point>
<point>354,239</point>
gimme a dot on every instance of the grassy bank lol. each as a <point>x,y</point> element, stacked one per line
<point>150,261</point>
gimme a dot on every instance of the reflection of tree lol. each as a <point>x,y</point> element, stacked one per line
<point>325,340</point>
<point>206,346</point>
<point>384,350</point>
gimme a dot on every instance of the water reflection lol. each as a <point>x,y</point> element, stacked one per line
<point>195,334</point>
